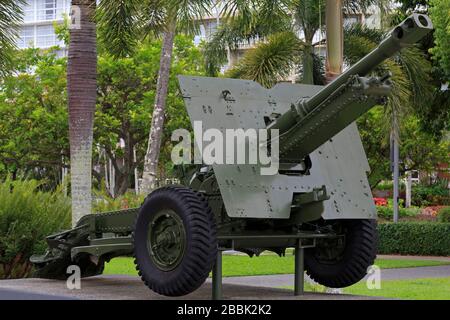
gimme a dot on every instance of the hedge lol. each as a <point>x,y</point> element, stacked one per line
<point>444,215</point>
<point>414,238</point>
<point>27,216</point>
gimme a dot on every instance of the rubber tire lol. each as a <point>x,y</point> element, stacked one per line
<point>359,253</point>
<point>201,241</point>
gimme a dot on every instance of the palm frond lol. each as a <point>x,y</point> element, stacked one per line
<point>233,32</point>
<point>189,13</point>
<point>215,56</point>
<point>270,61</point>
<point>242,8</point>
<point>309,14</point>
<point>410,71</point>
<point>118,25</point>
<point>253,12</point>
<point>153,17</point>
<point>361,6</point>
<point>10,18</point>
<point>418,69</point>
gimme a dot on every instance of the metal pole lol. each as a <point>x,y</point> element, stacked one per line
<point>408,189</point>
<point>395,165</point>
<point>299,286</point>
<point>217,278</point>
<point>136,172</point>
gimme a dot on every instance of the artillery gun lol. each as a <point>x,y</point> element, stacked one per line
<point>318,201</point>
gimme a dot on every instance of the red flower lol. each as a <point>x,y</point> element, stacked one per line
<point>382,202</point>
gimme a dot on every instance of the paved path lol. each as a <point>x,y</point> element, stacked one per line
<point>131,288</point>
<point>285,280</point>
<point>398,257</point>
<point>8,294</point>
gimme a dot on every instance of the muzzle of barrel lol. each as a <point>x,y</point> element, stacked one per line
<point>410,31</point>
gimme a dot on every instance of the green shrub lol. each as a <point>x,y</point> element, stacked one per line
<point>27,216</point>
<point>104,202</point>
<point>387,212</point>
<point>444,215</point>
<point>414,238</point>
<point>389,185</point>
<point>429,195</point>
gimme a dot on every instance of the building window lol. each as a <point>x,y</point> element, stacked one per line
<point>210,29</point>
<point>26,39</point>
<point>28,11</point>
<point>46,10</point>
<point>351,19</point>
<point>45,36</point>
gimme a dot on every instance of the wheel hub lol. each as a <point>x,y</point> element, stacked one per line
<point>166,240</point>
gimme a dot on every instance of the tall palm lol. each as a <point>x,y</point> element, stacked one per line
<point>306,17</point>
<point>335,38</point>
<point>124,22</point>
<point>82,94</point>
<point>10,19</point>
<point>334,21</point>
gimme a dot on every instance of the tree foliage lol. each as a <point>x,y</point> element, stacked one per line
<point>33,115</point>
<point>122,24</point>
<point>271,61</point>
<point>34,121</point>
<point>435,114</point>
<point>440,14</point>
<point>418,149</point>
<point>10,18</point>
<point>127,87</point>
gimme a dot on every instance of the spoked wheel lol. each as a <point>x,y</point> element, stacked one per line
<point>175,242</point>
<point>343,261</point>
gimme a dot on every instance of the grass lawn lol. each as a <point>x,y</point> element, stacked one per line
<point>420,289</point>
<point>240,265</point>
<point>413,289</point>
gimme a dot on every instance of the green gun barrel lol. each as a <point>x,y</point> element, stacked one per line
<point>313,121</point>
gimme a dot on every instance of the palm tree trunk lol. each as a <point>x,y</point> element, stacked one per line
<point>334,22</point>
<point>395,163</point>
<point>154,142</point>
<point>82,94</point>
<point>308,63</point>
<point>335,39</point>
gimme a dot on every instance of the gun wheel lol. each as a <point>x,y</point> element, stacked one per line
<point>341,262</point>
<point>175,242</point>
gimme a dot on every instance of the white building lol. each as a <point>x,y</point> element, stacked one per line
<point>39,17</point>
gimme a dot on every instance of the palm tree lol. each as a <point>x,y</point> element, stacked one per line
<point>335,38</point>
<point>306,17</point>
<point>82,95</point>
<point>124,22</point>
<point>10,19</point>
<point>334,21</point>
<point>298,16</point>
